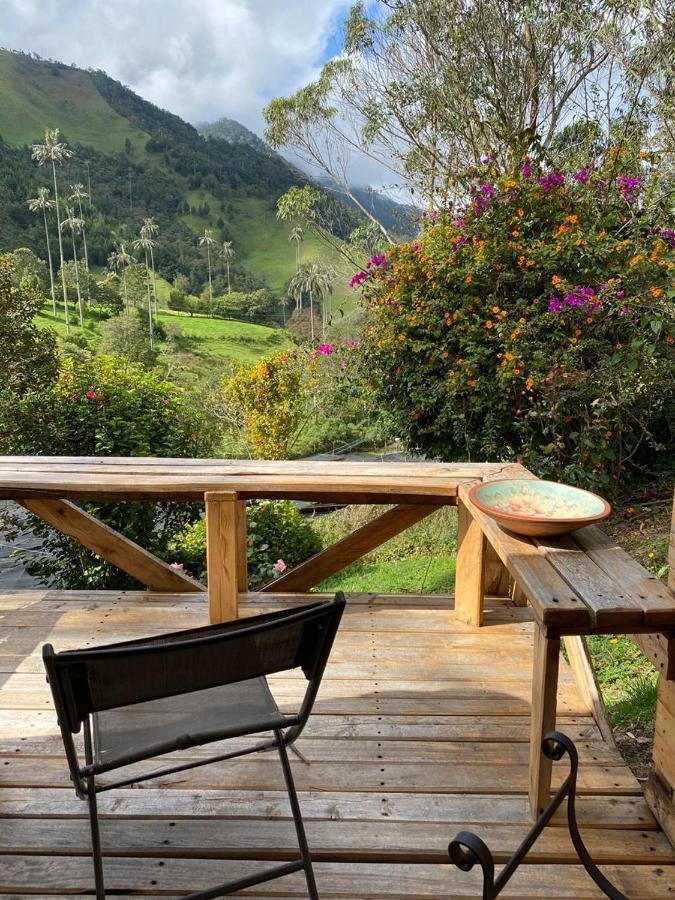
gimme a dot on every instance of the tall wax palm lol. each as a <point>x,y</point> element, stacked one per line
<point>118,261</point>
<point>77,195</point>
<point>43,202</point>
<point>146,244</point>
<point>75,226</point>
<point>227,253</point>
<point>314,279</point>
<point>54,151</point>
<point>297,235</point>
<point>150,229</point>
<point>207,240</point>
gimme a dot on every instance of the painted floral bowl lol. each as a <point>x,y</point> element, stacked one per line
<point>538,508</point>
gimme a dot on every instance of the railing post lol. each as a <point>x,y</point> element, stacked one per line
<point>543,715</point>
<point>470,570</point>
<point>224,530</point>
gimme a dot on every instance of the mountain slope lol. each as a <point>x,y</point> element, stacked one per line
<point>234,132</point>
<point>143,161</point>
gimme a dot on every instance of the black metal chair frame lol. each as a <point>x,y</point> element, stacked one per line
<point>69,674</point>
<point>467,849</point>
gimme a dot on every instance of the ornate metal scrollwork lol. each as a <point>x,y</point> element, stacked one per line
<point>468,850</point>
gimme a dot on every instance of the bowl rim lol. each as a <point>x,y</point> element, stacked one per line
<point>515,517</point>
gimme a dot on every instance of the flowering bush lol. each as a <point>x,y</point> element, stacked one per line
<point>277,401</point>
<point>537,322</point>
<point>105,407</point>
<point>278,538</point>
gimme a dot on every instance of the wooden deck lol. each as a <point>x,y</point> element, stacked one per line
<point>421,729</point>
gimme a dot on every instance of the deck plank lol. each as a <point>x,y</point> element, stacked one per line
<point>421,730</point>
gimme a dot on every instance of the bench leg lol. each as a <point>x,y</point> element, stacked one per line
<point>544,699</point>
<point>470,571</point>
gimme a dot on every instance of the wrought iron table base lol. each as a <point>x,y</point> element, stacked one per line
<point>467,849</point>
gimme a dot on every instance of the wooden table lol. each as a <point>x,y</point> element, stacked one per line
<point>577,585</point>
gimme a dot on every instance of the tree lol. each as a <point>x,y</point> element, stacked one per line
<point>146,244</point>
<point>297,235</point>
<point>28,356</point>
<point>427,87</point>
<point>75,226</point>
<point>227,253</point>
<point>77,194</point>
<point>150,229</point>
<point>207,240</point>
<point>125,336</point>
<point>43,202</point>
<point>54,151</point>
<point>314,279</point>
<point>118,261</point>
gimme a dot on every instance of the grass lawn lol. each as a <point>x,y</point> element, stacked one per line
<point>202,349</point>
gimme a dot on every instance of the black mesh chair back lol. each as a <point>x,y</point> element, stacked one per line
<point>139,699</point>
<point>106,677</point>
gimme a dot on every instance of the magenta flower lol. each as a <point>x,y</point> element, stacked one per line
<point>620,294</point>
<point>551,180</point>
<point>357,279</point>
<point>629,187</point>
<point>554,305</point>
<point>581,176</point>
<point>526,170</point>
<point>90,395</point>
<point>351,342</point>
<point>325,349</point>
<point>377,261</point>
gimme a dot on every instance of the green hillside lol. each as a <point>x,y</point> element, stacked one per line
<point>35,97</point>
<point>144,161</point>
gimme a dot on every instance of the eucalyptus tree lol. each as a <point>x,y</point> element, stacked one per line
<point>119,261</point>
<point>75,226</point>
<point>42,203</point>
<point>227,253</point>
<point>150,229</point>
<point>146,244</point>
<point>297,235</point>
<point>55,152</point>
<point>207,240</point>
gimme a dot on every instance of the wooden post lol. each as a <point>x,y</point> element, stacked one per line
<point>223,554</point>
<point>470,571</point>
<point>496,577</point>
<point>544,699</point>
<point>242,561</point>
<point>587,684</point>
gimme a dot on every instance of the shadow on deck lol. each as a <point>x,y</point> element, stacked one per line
<point>421,729</point>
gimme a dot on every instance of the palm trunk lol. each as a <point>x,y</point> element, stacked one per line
<point>311,313</point>
<point>147,274</point>
<point>49,257</point>
<point>77,283</point>
<point>58,226</point>
<point>84,245</point>
<point>229,289</point>
<point>126,295</point>
<point>208,256</point>
<point>297,256</point>
<point>154,280</point>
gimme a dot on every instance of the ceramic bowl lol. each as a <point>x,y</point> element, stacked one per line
<point>538,508</point>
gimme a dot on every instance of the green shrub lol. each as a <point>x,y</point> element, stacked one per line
<point>277,536</point>
<point>537,322</point>
<point>105,407</point>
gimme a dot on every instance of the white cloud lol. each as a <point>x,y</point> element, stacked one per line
<point>200,59</point>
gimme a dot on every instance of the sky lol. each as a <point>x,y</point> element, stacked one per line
<point>201,59</point>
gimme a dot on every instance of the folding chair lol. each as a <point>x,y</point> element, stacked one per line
<point>140,699</point>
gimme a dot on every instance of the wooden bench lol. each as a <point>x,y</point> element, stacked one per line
<point>577,585</point>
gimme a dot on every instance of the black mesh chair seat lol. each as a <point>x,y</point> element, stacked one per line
<point>136,700</point>
<point>187,720</point>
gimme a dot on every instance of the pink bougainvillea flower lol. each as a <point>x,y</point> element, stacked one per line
<point>357,279</point>
<point>177,567</point>
<point>280,566</point>
<point>91,395</point>
<point>325,349</point>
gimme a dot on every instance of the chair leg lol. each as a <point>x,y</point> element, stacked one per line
<point>297,817</point>
<point>95,839</point>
